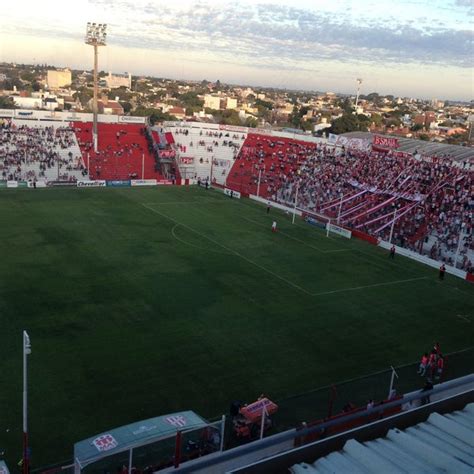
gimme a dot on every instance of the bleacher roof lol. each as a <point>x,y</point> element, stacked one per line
<point>443,443</point>
<point>136,434</point>
<point>410,145</point>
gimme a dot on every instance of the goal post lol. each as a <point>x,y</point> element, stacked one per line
<point>327,223</point>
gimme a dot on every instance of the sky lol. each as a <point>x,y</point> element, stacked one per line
<point>409,48</point>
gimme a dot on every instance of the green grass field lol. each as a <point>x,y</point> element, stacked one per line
<point>141,302</point>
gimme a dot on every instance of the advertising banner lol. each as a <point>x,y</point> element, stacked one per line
<point>62,183</point>
<point>165,182</point>
<point>39,184</point>
<point>12,184</point>
<point>385,142</point>
<point>339,230</point>
<point>143,182</point>
<point>118,183</point>
<point>92,184</point>
<point>231,193</point>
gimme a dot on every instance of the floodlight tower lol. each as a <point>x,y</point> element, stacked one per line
<point>359,83</point>
<point>95,36</point>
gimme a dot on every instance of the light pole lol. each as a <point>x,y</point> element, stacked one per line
<point>95,36</point>
<point>296,201</point>
<point>258,184</point>
<point>359,82</point>
<point>26,353</point>
<point>340,210</point>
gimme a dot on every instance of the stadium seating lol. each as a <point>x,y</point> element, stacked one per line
<point>33,150</point>
<point>430,200</point>
<point>122,147</point>
<point>205,153</point>
<point>275,159</point>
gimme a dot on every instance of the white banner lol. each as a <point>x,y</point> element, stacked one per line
<point>339,230</point>
<point>39,184</point>
<point>144,182</point>
<point>231,193</point>
<point>12,184</point>
<point>92,184</point>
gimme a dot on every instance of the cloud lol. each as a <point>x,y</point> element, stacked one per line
<point>278,35</point>
<point>281,33</point>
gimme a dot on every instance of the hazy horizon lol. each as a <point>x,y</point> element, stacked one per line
<point>421,50</point>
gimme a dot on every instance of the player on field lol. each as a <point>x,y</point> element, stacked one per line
<point>274,226</point>
<point>392,251</point>
<point>442,271</point>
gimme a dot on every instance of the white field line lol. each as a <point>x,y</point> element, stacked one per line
<point>298,240</point>
<point>465,318</point>
<point>288,282</point>
<point>375,285</point>
<point>197,201</point>
<point>173,233</point>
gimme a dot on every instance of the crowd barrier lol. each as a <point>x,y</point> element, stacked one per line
<point>423,259</point>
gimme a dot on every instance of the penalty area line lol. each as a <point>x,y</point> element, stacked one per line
<point>298,240</point>
<point>243,257</point>
<point>375,285</point>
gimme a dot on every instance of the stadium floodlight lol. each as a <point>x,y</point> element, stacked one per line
<point>96,35</point>
<point>359,83</point>
<point>26,449</point>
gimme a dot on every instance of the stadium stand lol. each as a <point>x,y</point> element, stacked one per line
<point>33,151</point>
<point>122,147</point>
<point>443,443</point>
<point>205,153</point>
<point>275,159</point>
<point>431,202</point>
<point>424,203</point>
<point>414,147</point>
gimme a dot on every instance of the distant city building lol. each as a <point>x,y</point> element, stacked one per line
<point>59,78</point>
<point>231,103</point>
<point>212,102</point>
<point>108,107</point>
<point>38,100</point>
<point>28,102</point>
<point>114,81</point>
<point>178,112</point>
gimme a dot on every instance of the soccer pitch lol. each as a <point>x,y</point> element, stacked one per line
<point>141,302</point>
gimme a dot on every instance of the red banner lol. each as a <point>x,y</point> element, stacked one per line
<point>385,142</point>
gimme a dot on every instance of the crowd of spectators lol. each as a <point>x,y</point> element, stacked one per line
<point>269,160</point>
<point>423,204</point>
<point>28,152</point>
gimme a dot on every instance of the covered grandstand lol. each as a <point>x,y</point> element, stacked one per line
<point>424,148</point>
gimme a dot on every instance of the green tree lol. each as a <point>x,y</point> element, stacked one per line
<point>127,106</point>
<point>251,122</point>
<point>154,115</point>
<point>84,95</point>
<point>6,103</point>
<point>349,123</point>
<point>27,76</point>
<point>376,119</point>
